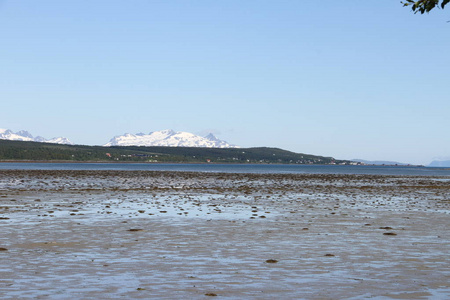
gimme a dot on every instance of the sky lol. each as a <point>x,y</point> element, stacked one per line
<point>352,79</point>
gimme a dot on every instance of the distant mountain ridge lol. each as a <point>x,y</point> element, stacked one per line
<point>168,138</point>
<point>34,151</point>
<point>440,163</point>
<point>7,134</point>
<point>380,162</point>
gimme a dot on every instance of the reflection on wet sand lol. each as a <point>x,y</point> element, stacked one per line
<point>138,234</point>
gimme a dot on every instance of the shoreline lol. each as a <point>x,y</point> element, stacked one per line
<point>151,234</point>
<point>206,163</point>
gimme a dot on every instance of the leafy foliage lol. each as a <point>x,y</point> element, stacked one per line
<point>425,6</point>
<point>33,151</point>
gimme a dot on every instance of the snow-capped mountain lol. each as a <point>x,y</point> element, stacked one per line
<point>6,134</point>
<point>168,138</point>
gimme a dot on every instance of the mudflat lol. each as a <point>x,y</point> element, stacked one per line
<point>143,234</point>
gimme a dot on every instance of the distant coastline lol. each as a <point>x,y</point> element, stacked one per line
<point>205,163</point>
<point>35,151</point>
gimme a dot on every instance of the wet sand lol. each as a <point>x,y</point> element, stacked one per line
<point>138,234</point>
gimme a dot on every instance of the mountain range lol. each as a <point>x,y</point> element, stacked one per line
<point>6,134</point>
<point>440,163</point>
<point>168,138</point>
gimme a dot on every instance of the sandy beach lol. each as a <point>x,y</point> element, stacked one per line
<point>169,235</point>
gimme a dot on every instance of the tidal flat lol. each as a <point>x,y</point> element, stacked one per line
<point>168,235</point>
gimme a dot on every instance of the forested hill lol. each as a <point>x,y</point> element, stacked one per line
<point>34,151</point>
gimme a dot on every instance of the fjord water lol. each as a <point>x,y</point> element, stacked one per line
<point>236,168</point>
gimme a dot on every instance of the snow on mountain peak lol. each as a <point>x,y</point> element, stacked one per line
<point>168,138</point>
<point>167,132</point>
<point>6,134</point>
<point>24,134</point>
<point>211,137</point>
<point>59,140</point>
<point>39,139</point>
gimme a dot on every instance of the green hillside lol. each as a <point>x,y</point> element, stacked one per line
<point>26,151</point>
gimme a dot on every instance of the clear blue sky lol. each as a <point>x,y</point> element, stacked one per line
<point>349,79</point>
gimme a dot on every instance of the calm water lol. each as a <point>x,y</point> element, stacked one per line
<point>234,168</point>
